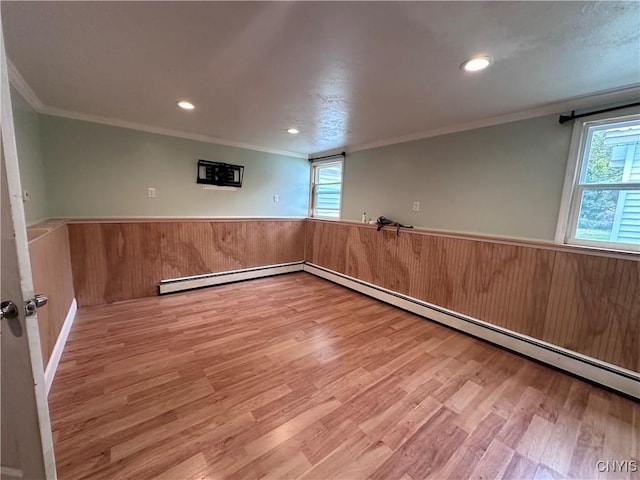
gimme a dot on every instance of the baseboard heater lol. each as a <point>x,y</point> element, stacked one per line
<point>603,373</point>
<point>173,285</point>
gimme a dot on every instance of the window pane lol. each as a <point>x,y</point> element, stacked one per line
<point>610,216</point>
<point>327,190</point>
<point>329,173</point>
<point>613,154</point>
<point>328,196</point>
<point>320,212</point>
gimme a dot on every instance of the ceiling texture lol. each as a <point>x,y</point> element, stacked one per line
<point>346,74</point>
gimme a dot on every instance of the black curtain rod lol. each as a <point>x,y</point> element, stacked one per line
<point>341,154</point>
<point>567,118</point>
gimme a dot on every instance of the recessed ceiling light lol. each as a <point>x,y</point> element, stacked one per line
<point>186,105</point>
<point>293,131</point>
<point>476,63</point>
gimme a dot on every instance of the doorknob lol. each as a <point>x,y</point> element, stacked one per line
<point>30,306</point>
<point>9,310</point>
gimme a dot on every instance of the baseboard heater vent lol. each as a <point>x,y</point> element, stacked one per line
<point>595,370</point>
<point>173,285</point>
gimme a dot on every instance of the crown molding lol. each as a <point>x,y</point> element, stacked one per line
<point>23,87</point>
<point>114,122</point>
<point>607,97</point>
<point>32,99</point>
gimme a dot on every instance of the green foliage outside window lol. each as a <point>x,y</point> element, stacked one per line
<point>599,206</point>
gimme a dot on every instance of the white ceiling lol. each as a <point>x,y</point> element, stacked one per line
<point>345,73</point>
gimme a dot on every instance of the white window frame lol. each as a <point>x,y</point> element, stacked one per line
<point>312,187</point>
<point>572,191</point>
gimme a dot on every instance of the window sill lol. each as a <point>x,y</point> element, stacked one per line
<point>603,247</point>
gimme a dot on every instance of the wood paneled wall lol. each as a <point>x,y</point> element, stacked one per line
<point>120,261</point>
<point>580,301</point>
<point>51,270</point>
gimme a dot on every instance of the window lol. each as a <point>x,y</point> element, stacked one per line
<point>601,200</point>
<point>326,190</point>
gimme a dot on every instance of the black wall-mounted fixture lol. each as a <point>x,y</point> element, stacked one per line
<point>220,174</point>
<point>567,118</point>
<point>327,157</point>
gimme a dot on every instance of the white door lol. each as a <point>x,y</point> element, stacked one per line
<point>27,446</point>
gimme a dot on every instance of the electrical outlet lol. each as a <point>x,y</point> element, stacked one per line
<point>276,198</point>
<point>151,192</point>
<point>416,206</point>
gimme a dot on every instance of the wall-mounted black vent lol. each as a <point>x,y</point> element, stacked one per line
<point>221,174</point>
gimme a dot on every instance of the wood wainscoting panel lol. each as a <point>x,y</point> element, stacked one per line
<point>271,242</point>
<point>124,260</point>
<point>583,302</point>
<point>115,261</point>
<point>198,248</point>
<point>501,284</point>
<point>598,301</point>
<point>52,276</point>
<point>311,241</point>
<point>326,243</point>
<point>362,259</point>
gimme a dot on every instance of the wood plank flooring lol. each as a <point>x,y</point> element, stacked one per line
<point>295,377</point>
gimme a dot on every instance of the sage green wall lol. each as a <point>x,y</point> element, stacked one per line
<point>95,170</point>
<point>504,180</point>
<point>32,173</point>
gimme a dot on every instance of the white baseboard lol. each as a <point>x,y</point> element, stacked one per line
<point>188,283</point>
<point>612,376</point>
<point>56,354</point>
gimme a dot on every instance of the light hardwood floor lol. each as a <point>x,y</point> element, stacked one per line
<point>295,377</point>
